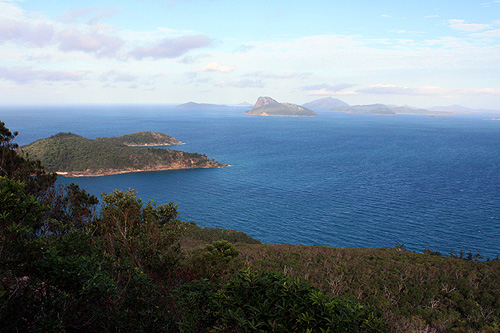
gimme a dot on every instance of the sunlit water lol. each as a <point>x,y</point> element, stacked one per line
<point>338,179</point>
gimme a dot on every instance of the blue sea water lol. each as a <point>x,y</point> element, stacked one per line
<point>339,179</point>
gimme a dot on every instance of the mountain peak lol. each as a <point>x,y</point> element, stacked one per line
<point>266,106</point>
<point>265,101</point>
<point>325,103</point>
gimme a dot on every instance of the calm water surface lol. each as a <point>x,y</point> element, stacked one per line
<point>338,179</point>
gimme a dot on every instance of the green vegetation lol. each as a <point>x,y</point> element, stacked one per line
<point>140,139</point>
<point>67,264</point>
<point>75,155</point>
<point>266,106</point>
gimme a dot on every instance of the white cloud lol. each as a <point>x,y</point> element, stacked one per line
<point>93,42</point>
<point>469,27</point>
<point>400,90</point>
<point>23,75</point>
<point>117,76</point>
<point>487,34</point>
<point>244,83</point>
<point>326,89</point>
<point>215,67</point>
<point>171,47</point>
<point>96,15</point>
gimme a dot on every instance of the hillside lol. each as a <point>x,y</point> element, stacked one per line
<point>266,106</point>
<point>73,155</point>
<point>143,139</point>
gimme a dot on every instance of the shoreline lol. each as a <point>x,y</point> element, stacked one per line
<point>155,145</point>
<point>111,172</point>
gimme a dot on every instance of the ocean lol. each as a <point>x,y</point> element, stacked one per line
<point>341,180</point>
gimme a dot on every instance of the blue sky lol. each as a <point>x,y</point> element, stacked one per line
<point>423,54</point>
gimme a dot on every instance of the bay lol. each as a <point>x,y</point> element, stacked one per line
<point>338,180</point>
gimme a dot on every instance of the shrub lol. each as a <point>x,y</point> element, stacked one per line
<point>270,302</point>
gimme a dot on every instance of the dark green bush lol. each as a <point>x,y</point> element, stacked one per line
<point>270,302</point>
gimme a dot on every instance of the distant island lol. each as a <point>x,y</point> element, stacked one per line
<point>383,109</point>
<point>334,104</point>
<point>266,106</point>
<point>193,105</point>
<point>326,103</point>
<point>72,155</point>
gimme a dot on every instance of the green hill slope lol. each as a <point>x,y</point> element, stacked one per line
<point>73,155</point>
<point>143,139</point>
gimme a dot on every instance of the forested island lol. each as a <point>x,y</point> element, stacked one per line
<point>72,155</point>
<point>266,106</point>
<point>70,262</point>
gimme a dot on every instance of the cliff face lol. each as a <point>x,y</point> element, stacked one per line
<point>266,106</point>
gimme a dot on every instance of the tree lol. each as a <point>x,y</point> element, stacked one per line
<point>147,235</point>
<point>14,165</point>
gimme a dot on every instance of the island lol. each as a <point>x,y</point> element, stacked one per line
<point>72,155</point>
<point>266,106</point>
<point>383,109</point>
<point>193,105</point>
<point>326,103</point>
<point>335,104</point>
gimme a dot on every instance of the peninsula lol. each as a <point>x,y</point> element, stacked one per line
<point>72,155</point>
<point>266,106</point>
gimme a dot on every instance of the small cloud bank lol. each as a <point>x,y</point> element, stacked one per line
<point>382,89</point>
<point>244,83</point>
<point>215,67</point>
<point>171,47</point>
<point>36,34</point>
<point>91,42</point>
<point>327,89</point>
<point>23,75</point>
<point>469,27</point>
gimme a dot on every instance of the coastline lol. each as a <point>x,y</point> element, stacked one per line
<point>155,144</point>
<point>110,172</point>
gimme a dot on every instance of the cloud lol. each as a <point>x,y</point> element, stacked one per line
<point>469,27</point>
<point>97,15</point>
<point>215,67</point>
<point>328,89</point>
<point>487,34</point>
<point>38,34</point>
<point>382,89</point>
<point>117,77</point>
<point>171,47</point>
<point>285,75</point>
<point>92,42</point>
<point>244,48</point>
<point>244,83</point>
<point>25,75</point>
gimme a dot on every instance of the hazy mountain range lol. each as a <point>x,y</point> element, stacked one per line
<point>335,104</point>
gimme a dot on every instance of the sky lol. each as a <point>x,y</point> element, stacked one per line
<point>418,53</point>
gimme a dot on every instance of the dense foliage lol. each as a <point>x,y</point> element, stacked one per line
<point>70,264</point>
<point>68,152</point>
<point>143,139</point>
<point>414,291</point>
